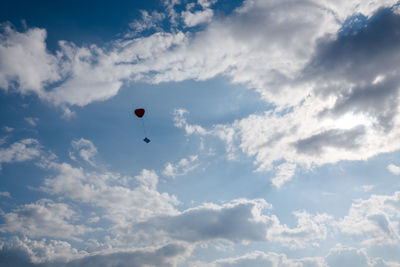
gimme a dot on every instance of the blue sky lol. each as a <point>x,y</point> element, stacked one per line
<point>274,129</point>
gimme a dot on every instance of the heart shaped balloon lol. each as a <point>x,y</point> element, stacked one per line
<point>139,112</point>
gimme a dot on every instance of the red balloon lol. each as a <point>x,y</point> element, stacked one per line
<point>139,112</point>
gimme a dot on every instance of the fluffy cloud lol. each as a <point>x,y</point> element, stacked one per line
<point>193,18</point>
<point>23,150</point>
<point>374,220</point>
<point>43,218</point>
<point>26,65</point>
<point>121,200</point>
<point>308,231</point>
<point>239,221</point>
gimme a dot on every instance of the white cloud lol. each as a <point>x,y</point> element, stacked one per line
<point>192,19</point>
<point>26,65</point>
<point>284,172</point>
<point>393,169</point>
<point>85,149</point>
<point>183,167</point>
<point>43,218</point>
<point>122,201</point>
<point>309,230</point>
<point>374,220</point>
<point>23,150</point>
<point>88,81</point>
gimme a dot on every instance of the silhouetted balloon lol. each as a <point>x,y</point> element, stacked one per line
<point>139,112</point>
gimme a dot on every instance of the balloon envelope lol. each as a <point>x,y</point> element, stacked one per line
<point>139,112</point>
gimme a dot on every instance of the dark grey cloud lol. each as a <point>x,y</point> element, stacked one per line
<point>378,100</point>
<point>348,65</point>
<point>346,139</point>
<point>235,223</point>
<point>360,55</point>
<point>164,256</point>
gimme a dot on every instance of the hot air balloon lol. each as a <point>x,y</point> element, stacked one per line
<point>139,112</point>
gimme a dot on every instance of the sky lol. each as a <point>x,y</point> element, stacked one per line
<point>274,128</point>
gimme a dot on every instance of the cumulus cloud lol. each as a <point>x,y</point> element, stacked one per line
<point>85,149</point>
<point>239,221</point>
<point>309,230</point>
<point>26,65</point>
<point>182,167</point>
<point>122,200</point>
<point>23,150</point>
<point>43,218</point>
<point>194,18</point>
<point>374,220</point>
